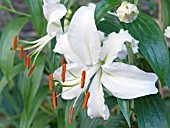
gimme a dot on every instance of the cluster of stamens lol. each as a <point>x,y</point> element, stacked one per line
<point>27,58</point>
<point>63,78</point>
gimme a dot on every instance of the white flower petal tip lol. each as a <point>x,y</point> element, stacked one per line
<point>96,105</point>
<point>83,35</point>
<point>50,1</point>
<point>127,12</point>
<point>53,12</point>
<point>114,44</point>
<point>127,81</point>
<point>167,32</point>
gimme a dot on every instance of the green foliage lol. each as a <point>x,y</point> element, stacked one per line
<point>103,7</point>
<point>150,110</point>
<point>35,7</point>
<point>165,13</point>
<point>6,55</point>
<point>149,46</point>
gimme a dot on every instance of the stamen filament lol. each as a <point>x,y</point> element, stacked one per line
<point>54,100</point>
<point>51,82</point>
<point>21,52</point>
<point>63,73</point>
<point>15,42</point>
<point>83,78</point>
<point>86,100</point>
<point>71,114</point>
<point>31,70</point>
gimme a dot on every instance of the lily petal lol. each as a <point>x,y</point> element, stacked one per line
<point>63,47</point>
<point>114,44</point>
<point>167,32</point>
<point>54,12</point>
<point>127,81</point>
<point>83,35</point>
<point>96,105</point>
<point>50,1</point>
<point>73,74</point>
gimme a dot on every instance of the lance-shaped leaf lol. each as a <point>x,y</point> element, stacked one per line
<point>35,8</point>
<point>151,112</point>
<point>103,7</point>
<point>6,55</point>
<point>165,12</point>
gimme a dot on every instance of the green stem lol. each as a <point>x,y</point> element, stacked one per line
<point>14,11</point>
<point>130,53</point>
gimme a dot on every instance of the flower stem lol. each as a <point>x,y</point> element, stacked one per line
<point>130,53</point>
<point>14,11</point>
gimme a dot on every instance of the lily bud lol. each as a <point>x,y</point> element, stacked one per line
<point>127,12</point>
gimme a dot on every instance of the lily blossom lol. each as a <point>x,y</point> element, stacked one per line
<point>53,12</point>
<point>81,47</point>
<point>127,12</point>
<point>167,32</point>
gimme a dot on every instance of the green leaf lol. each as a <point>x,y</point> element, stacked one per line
<point>143,26</point>
<point>151,112</point>
<point>103,7</point>
<point>77,108</point>
<point>32,98</point>
<point>27,117</point>
<point>68,3</point>
<point>17,69</point>
<point>91,123</point>
<point>111,102</point>
<point>165,12</point>
<point>116,122</point>
<point>6,55</point>
<point>35,8</point>
<point>151,40</point>
<point>124,107</point>
<point>167,81</point>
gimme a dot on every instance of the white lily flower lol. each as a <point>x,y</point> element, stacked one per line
<point>127,12</point>
<point>81,47</point>
<point>167,32</point>
<point>53,12</point>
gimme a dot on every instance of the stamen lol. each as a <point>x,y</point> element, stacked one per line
<point>63,60</point>
<point>28,62</point>
<point>54,100</point>
<point>15,42</point>
<point>63,73</point>
<point>21,52</point>
<point>86,100</point>
<point>71,114</point>
<point>25,59</point>
<point>83,78</point>
<point>51,82</point>
<point>31,71</point>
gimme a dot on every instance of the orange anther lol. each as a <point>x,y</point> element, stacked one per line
<point>63,72</point>
<point>54,100</point>
<point>51,82</point>
<point>86,98</point>
<point>83,77</point>
<point>21,52</point>
<point>71,114</point>
<point>31,71</point>
<point>15,42</point>
<point>28,62</point>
